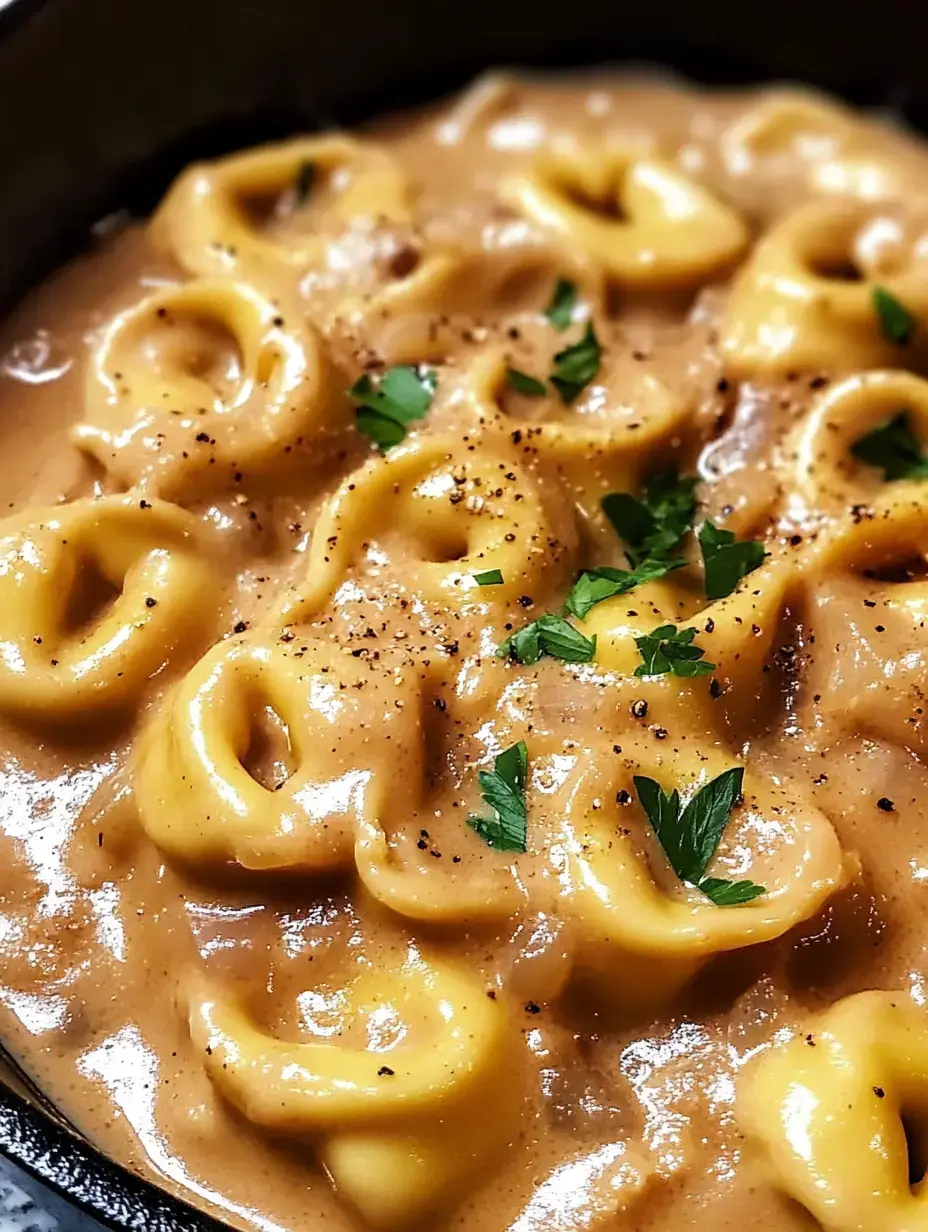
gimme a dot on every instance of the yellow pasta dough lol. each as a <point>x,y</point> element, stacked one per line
<point>96,597</point>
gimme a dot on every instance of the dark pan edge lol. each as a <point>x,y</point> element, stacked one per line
<point>87,1179</point>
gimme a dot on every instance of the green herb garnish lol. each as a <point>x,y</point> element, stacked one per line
<point>595,585</point>
<point>651,529</point>
<point>730,893</point>
<point>503,790</point>
<point>403,394</point>
<point>654,525</point>
<point>896,322</point>
<point>690,838</point>
<point>560,310</point>
<point>895,448</point>
<point>669,649</point>
<point>305,174</point>
<point>524,384</point>
<point>727,559</point>
<point>548,635</point>
<point>576,365</point>
<point>492,577</point>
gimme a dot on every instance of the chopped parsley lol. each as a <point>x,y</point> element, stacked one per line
<point>651,528</point>
<point>595,585</point>
<point>524,384</point>
<point>560,309</point>
<point>302,186</point>
<point>894,448</point>
<point>690,837</point>
<point>402,394</point>
<point>548,635</point>
<point>727,559</point>
<point>896,322</point>
<point>492,577</point>
<point>503,791</point>
<point>654,525</point>
<point>576,365</point>
<point>669,649</point>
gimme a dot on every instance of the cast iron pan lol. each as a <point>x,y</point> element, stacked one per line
<point>102,101</point>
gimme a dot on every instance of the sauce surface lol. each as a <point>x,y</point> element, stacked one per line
<point>268,932</point>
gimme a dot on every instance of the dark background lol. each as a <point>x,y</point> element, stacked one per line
<point>93,90</point>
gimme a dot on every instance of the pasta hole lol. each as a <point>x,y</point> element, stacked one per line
<point>913,569</point>
<point>915,1128</point>
<point>607,204</point>
<point>404,261</point>
<point>523,286</point>
<point>198,346</point>
<point>269,758</point>
<point>836,268</point>
<point>444,547</point>
<point>92,596</point>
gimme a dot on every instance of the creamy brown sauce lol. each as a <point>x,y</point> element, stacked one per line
<point>103,932</point>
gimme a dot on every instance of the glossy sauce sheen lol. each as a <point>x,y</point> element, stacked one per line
<point>207,862</point>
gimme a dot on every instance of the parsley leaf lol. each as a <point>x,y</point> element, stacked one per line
<point>305,174</point>
<point>895,448</point>
<point>690,838</point>
<point>503,790</point>
<point>492,577</point>
<point>548,635</point>
<point>576,365</point>
<point>560,309</point>
<point>654,525</point>
<point>669,649</point>
<point>896,322</point>
<point>524,384</point>
<point>651,529</point>
<point>595,585</point>
<point>727,559</point>
<point>402,395</point>
<point>730,893</point>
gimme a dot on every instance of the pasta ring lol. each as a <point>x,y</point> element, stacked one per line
<point>65,653</point>
<point>465,509</point>
<point>644,945</point>
<point>887,703</point>
<point>171,429</point>
<point>198,802</point>
<point>787,311</point>
<point>418,895</point>
<point>412,319</point>
<point>834,151</point>
<point>671,232</point>
<point>737,635</point>
<point>784,123</point>
<point>596,453</point>
<point>825,1111</point>
<point>403,1129</point>
<point>204,224</point>
<point>825,471</point>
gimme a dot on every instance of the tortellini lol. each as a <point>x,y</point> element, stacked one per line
<point>211,219</point>
<point>804,299</point>
<point>643,222</point>
<point>640,937</point>
<point>95,597</point>
<point>345,727</point>
<point>404,1127</point>
<point>827,1109</point>
<point>428,518</point>
<point>205,386</point>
